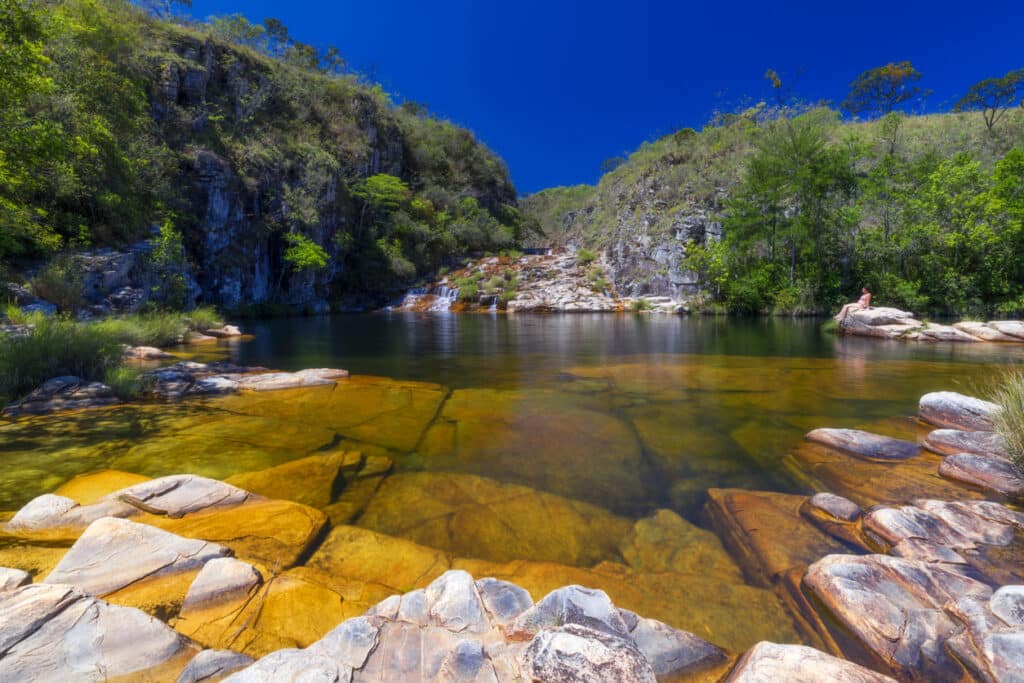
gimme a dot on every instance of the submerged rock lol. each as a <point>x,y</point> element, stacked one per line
<point>770,662</point>
<point>865,444</point>
<point>956,411</point>
<point>313,481</point>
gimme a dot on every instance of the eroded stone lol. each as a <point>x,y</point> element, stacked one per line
<point>865,444</point>
<point>956,411</point>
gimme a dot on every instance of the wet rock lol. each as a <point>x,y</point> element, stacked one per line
<point>770,662</point>
<point>469,516</point>
<point>571,605</point>
<point>11,579</point>
<point>222,579</point>
<point>213,665</point>
<point>956,411</point>
<point>895,524</point>
<point>926,551</point>
<point>577,653</point>
<point>58,633</point>
<point>292,665</point>
<point>313,481</point>
<point>765,533</point>
<point>834,506</point>
<point>865,444</point>
<point>63,393</point>
<point>988,473</point>
<point>145,353</point>
<point>953,441</point>
<point>985,332</point>
<point>275,381</point>
<point>113,553</point>
<point>893,608</point>
<point>224,331</point>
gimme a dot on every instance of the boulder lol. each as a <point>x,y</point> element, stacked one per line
<point>11,579</point>
<point>944,333</point>
<point>893,609</point>
<point>836,507</point>
<point>865,444</point>
<point>213,665</point>
<point>880,315</point>
<point>181,494</point>
<point>985,332</point>
<point>224,332</point>
<point>577,653</point>
<point>59,516</point>
<point>571,605</point>
<point>770,662</point>
<point>952,441</point>
<point>1012,328</point>
<point>63,393</point>
<point>988,473</point>
<point>223,579</point>
<point>113,553</point>
<point>275,381</point>
<point>58,633</point>
<point>145,353</point>
<point>956,411</point>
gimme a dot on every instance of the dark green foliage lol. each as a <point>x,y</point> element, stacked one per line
<point>60,283</point>
<point>54,347</point>
<point>883,89</point>
<point>993,97</point>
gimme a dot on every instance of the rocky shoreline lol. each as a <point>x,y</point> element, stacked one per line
<point>892,323</point>
<point>904,566</point>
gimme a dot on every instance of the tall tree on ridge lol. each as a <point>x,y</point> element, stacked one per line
<point>993,97</point>
<point>883,89</point>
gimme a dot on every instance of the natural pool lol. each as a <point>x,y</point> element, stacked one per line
<point>527,446</point>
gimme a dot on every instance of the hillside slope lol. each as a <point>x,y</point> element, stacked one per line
<point>286,181</point>
<point>889,198</point>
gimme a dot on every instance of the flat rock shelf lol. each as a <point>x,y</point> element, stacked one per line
<point>892,323</point>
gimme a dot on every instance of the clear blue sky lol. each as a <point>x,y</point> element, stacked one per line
<point>557,86</point>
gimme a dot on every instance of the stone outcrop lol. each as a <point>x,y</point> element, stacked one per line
<point>892,323</point>
<point>58,633</point>
<point>956,411</point>
<point>63,393</point>
<point>991,474</point>
<point>865,444</point>
<point>952,441</point>
<point>453,631</point>
<point>189,378</point>
<point>769,662</point>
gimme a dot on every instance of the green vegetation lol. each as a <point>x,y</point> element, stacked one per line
<point>926,211</point>
<point>640,305</point>
<point>156,328</point>
<point>1009,421</point>
<point>54,347</point>
<point>585,257</point>
<point>93,151</point>
<point>126,381</point>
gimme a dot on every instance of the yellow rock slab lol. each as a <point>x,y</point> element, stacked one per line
<point>371,557</point>
<point>312,481</point>
<point>665,542</point>
<point>474,516</point>
<point>89,488</point>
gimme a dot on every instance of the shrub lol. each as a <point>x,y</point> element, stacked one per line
<point>127,382</point>
<point>596,278</point>
<point>204,318</point>
<point>1009,420</point>
<point>60,283</point>
<point>638,305</point>
<point>146,329</point>
<point>494,284</point>
<point>19,317</point>
<point>585,257</point>
<point>52,348</point>
<point>469,292</point>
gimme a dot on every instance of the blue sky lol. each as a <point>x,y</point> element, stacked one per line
<point>556,87</point>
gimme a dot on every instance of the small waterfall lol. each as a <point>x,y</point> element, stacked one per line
<point>444,296</point>
<point>494,303</point>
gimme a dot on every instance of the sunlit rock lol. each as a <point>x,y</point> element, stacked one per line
<point>58,633</point>
<point>13,578</point>
<point>893,607</point>
<point>578,653</point>
<point>213,665</point>
<point>952,441</point>
<point>63,393</point>
<point>956,411</point>
<point>89,488</point>
<point>985,332</point>
<point>474,516</point>
<point>990,474</point>
<point>769,662</point>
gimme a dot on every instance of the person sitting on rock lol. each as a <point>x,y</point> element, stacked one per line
<point>862,304</point>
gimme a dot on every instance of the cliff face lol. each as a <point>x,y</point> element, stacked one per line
<point>262,147</point>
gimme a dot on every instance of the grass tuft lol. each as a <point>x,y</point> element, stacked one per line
<point>1009,421</point>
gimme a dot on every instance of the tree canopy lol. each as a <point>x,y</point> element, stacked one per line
<point>884,88</point>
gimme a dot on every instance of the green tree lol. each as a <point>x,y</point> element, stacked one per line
<point>883,89</point>
<point>162,8</point>
<point>993,97</point>
<point>303,253</point>
<point>235,28</point>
